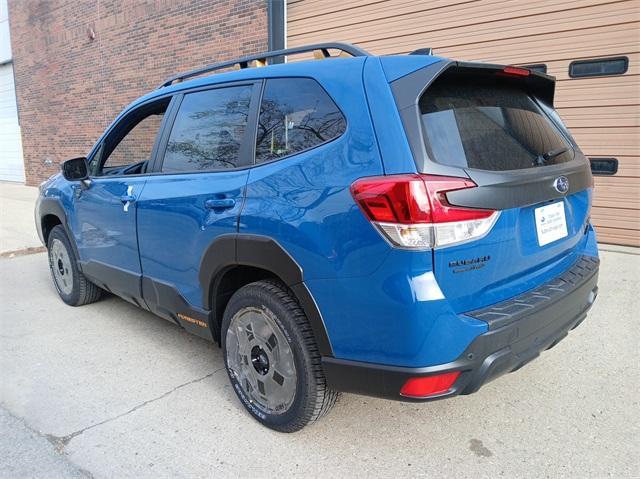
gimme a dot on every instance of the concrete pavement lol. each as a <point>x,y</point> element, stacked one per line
<point>108,390</point>
<point>17,227</point>
<point>25,453</point>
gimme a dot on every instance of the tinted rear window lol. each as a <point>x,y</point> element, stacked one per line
<point>208,130</point>
<point>489,126</point>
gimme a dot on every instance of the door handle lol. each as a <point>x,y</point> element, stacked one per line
<point>128,197</point>
<point>220,204</point>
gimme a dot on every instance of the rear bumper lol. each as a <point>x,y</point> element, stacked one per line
<point>519,330</point>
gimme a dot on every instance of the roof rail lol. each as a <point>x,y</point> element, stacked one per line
<point>261,58</point>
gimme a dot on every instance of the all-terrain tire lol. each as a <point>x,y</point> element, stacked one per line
<point>275,306</point>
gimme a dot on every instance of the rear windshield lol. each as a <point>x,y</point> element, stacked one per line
<point>489,126</point>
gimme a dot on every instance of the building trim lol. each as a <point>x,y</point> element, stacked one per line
<point>277,27</point>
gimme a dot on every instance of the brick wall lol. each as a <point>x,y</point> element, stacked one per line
<point>70,87</point>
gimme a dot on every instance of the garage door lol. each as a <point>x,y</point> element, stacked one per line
<point>603,112</point>
<point>11,164</point>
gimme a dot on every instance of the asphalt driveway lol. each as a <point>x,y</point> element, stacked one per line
<point>108,390</point>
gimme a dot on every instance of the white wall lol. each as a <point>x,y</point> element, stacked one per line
<point>11,162</point>
<point>5,43</point>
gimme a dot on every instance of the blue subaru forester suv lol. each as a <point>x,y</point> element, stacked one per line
<point>408,227</point>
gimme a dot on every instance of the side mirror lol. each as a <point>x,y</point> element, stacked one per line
<point>75,169</point>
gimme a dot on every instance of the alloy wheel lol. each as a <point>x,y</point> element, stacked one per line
<point>260,359</point>
<point>60,264</point>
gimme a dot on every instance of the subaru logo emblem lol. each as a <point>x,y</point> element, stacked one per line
<point>561,184</point>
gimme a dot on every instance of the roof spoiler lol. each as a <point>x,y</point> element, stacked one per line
<point>408,89</point>
<point>541,85</point>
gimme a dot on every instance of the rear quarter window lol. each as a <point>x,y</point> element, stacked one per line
<point>296,114</point>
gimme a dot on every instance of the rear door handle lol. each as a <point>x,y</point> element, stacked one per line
<point>220,204</point>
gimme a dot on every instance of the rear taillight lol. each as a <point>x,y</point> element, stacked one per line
<point>412,211</point>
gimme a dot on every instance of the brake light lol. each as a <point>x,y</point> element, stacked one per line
<point>412,211</point>
<point>429,385</point>
<point>520,72</point>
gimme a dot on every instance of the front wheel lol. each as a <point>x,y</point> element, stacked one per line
<point>272,359</point>
<point>71,284</point>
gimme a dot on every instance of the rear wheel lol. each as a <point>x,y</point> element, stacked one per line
<point>71,284</point>
<point>272,359</point>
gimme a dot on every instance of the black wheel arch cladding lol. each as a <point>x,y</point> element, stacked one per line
<point>237,250</point>
<point>51,207</point>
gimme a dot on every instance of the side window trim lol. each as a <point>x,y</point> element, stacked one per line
<point>251,132</point>
<point>97,153</point>
<point>162,140</point>
<point>99,149</point>
<point>246,154</point>
<point>549,111</point>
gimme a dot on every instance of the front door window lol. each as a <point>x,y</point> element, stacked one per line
<point>128,149</point>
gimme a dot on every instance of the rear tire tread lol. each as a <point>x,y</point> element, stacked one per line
<point>325,398</point>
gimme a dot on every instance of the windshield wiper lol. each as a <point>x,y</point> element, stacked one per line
<point>541,160</point>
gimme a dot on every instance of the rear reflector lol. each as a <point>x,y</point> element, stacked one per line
<point>412,211</point>
<point>429,385</point>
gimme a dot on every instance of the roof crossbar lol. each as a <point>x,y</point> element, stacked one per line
<point>261,58</point>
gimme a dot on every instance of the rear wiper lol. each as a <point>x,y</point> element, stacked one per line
<point>541,160</point>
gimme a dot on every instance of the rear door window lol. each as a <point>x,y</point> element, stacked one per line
<point>489,126</point>
<point>208,130</point>
<point>295,114</point>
